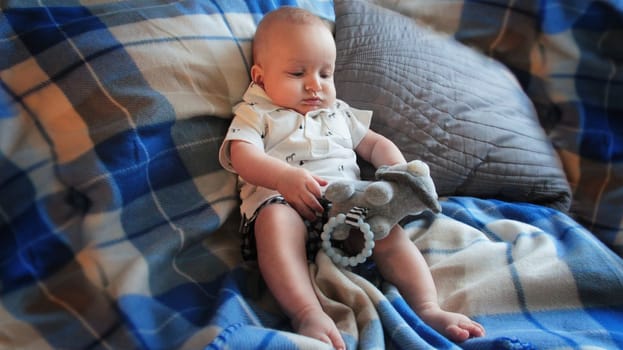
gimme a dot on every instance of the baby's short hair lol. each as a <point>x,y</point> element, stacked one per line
<point>284,14</point>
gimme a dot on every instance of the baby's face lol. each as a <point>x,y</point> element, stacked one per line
<point>297,70</point>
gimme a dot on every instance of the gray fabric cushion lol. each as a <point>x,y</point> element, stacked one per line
<point>459,111</point>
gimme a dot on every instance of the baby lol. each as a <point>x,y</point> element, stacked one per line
<point>289,138</point>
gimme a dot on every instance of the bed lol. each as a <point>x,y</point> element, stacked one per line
<point>119,229</point>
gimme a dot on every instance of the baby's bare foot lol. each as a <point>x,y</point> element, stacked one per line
<point>457,327</point>
<point>317,324</point>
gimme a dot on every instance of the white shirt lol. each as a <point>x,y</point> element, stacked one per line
<point>321,141</point>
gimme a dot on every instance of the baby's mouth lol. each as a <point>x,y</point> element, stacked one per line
<point>312,101</point>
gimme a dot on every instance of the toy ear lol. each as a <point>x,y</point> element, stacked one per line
<point>422,186</point>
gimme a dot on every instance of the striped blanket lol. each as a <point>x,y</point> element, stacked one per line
<point>119,229</point>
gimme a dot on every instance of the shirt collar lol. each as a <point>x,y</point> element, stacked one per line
<point>256,95</point>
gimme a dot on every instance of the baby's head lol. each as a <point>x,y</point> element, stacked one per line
<point>294,58</point>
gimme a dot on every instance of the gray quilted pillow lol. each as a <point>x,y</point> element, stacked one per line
<point>440,101</point>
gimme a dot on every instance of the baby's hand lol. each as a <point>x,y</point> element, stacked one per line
<point>301,190</point>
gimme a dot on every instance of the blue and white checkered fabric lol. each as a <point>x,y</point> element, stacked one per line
<point>118,227</point>
<point>567,56</point>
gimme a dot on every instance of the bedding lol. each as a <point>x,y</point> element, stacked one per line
<point>458,110</point>
<point>567,57</point>
<point>118,227</point>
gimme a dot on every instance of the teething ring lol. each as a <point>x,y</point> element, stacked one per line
<point>336,255</point>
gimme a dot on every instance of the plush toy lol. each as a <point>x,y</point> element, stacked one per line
<point>374,207</point>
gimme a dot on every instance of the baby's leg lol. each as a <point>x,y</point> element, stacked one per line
<point>281,237</point>
<point>402,264</point>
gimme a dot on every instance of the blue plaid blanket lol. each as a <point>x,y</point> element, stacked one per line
<point>118,227</point>
<point>566,55</point>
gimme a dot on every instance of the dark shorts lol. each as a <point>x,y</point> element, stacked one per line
<point>314,229</point>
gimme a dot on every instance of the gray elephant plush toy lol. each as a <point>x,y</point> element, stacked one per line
<point>400,190</point>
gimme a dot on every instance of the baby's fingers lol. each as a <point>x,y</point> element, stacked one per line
<point>320,181</point>
<point>314,204</point>
<point>309,206</point>
<point>313,186</point>
<point>306,212</point>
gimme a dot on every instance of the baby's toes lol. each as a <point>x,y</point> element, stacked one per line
<point>475,329</point>
<point>456,333</point>
<point>464,331</point>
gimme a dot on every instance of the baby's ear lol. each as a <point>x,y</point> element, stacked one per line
<point>257,74</point>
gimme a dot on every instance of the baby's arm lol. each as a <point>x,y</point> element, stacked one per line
<point>379,150</point>
<point>300,188</point>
